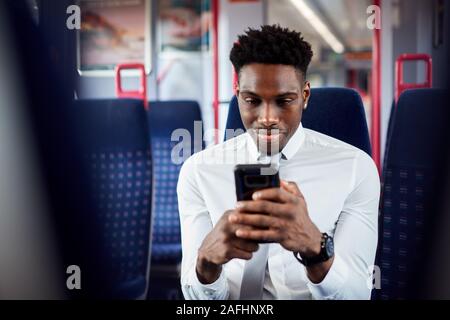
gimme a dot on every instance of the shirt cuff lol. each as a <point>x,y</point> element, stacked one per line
<point>333,282</point>
<point>218,290</point>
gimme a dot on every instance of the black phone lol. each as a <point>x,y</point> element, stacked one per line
<point>253,177</point>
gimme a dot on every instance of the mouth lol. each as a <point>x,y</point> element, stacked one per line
<point>268,135</point>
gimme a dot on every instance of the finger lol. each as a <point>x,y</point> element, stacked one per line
<point>236,253</point>
<point>245,245</point>
<point>259,206</point>
<point>274,194</point>
<point>233,226</point>
<point>270,235</point>
<point>256,220</point>
<point>291,187</point>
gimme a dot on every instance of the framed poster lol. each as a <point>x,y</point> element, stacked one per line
<point>113,32</point>
<point>184,25</point>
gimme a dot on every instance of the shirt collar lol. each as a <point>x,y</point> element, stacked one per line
<point>289,150</point>
<point>294,143</point>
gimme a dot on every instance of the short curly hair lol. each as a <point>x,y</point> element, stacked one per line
<point>271,44</point>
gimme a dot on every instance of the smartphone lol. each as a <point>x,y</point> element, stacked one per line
<point>253,177</point>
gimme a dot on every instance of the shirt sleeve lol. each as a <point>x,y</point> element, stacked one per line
<point>355,238</point>
<point>195,225</point>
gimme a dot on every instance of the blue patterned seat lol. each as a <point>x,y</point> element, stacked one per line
<point>409,177</point>
<point>164,118</point>
<point>337,112</point>
<point>113,135</point>
<point>166,228</point>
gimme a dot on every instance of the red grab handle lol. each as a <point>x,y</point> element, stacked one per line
<point>138,94</point>
<point>400,85</point>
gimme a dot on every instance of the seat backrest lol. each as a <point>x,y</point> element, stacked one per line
<point>337,112</point>
<point>113,137</point>
<point>389,128</point>
<point>165,117</point>
<point>44,94</point>
<point>32,249</point>
<point>409,176</point>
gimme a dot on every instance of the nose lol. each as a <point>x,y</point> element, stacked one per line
<point>268,116</point>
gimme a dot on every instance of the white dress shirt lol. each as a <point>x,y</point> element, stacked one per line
<point>341,187</point>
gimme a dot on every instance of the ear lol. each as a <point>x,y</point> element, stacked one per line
<point>306,93</point>
<point>235,83</point>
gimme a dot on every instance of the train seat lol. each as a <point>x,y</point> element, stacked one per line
<point>337,112</point>
<point>113,137</point>
<point>164,118</point>
<point>409,177</point>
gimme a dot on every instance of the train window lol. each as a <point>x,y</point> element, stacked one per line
<point>112,32</point>
<point>184,26</point>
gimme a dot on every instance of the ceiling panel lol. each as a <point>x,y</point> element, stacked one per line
<point>348,18</point>
<point>345,18</point>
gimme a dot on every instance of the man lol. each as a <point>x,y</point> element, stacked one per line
<point>280,244</point>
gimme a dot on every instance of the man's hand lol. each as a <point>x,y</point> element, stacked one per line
<point>281,215</point>
<point>220,246</point>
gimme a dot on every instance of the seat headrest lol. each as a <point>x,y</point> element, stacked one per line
<point>418,129</point>
<point>166,116</point>
<point>111,123</point>
<point>337,112</point>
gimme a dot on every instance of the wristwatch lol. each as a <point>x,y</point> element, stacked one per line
<point>326,252</point>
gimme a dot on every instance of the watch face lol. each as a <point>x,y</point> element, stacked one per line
<point>329,247</point>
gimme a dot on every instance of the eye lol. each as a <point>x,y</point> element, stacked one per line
<point>252,101</point>
<point>284,101</point>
